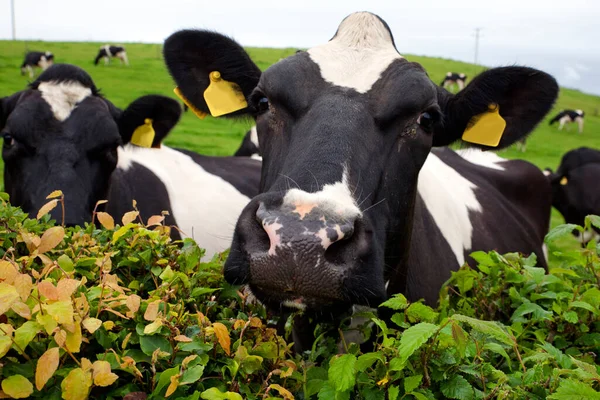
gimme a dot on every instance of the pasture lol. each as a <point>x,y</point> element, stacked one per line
<point>147,74</point>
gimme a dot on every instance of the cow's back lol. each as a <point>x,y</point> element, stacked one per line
<point>463,206</point>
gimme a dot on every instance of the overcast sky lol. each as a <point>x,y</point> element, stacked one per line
<point>563,38</point>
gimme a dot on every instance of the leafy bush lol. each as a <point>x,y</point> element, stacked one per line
<point>121,311</point>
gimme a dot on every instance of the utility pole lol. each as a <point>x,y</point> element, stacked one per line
<point>477,30</point>
<point>12,15</point>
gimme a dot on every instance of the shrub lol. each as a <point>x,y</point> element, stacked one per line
<point>121,311</point>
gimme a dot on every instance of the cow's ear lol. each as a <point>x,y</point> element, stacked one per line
<point>521,96</point>
<point>148,120</point>
<point>197,59</point>
<point>7,105</point>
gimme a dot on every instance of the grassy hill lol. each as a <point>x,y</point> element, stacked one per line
<point>147,74</point>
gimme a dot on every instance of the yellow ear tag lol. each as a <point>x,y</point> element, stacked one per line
<point>223,97</point>
<point>199,113</point>
<point>564,180</point>
<point>143,135</point>
<point>486,128</point>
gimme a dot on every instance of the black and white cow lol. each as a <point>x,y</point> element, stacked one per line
<point>354,204</point>
<point>454,78</point>
<point>569,116</point>
<point>575,190</point>
<point>108,51</point>
<point>37,59</point>
<point>61,133</point>
<point>249,146</point>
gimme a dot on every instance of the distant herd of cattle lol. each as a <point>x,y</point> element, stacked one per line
<point>341,195</point>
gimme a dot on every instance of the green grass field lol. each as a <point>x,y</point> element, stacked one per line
<point>147,74</point>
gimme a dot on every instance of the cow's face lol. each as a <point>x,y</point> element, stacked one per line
<point>61,134</point>
<point>344,130</point>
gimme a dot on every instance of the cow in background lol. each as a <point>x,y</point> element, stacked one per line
<point>569,116</point>
<point>36,59</point>
<point>575,190</point>
<point>454,78</point>
<point>249,146</point>
<point>107,51</point>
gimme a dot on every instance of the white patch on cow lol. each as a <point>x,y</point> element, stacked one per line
<point>254,136</point>
<point>579,121</point>
<point>486,159</point>
<point>274,237</point>
<point>123,57</point>
<point>48,54</point>
<point>462,76</point>
<point>358,54</point>
<point>545,251</point>
<point>256,157</point>
<point>580,112</point>
<point>449,198</point>
<point>563,121</point>
<point>106,48</point>
<point>63,97</point>
<point>205,206</point>
<point>448,74</point>
<point>296,304</point>
<point>333,199</point>
<point>546,172</point>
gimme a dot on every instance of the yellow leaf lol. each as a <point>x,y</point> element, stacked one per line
<point>61,311</point>
<point>108,325</point>
<point>55,194</point>
<point>5,345</point>
<point>51,238</point>
<point>153,327</point>
<point>47,289</point>
<point>255,322</point>
<point>287,395</point>
<point>22,309</point>
<point>129,217</point>
<point>152,311</point>
<point>60,337</point>
<point>173,385</point>
<point>86,364</point>
<point>32,241</point>
<point>8,295</point>
<point>223,336</point>
<point>8,272</point>
<point>73,341</point>
<point>23,284</point>
<point>46,208</point>
<point>47,321</point>
<point>288,372</point>
<point>76,386</point>
<point>100,202</point>
<point>101,366</point>
<point>66,287</point>
<point>155,220</point>
<point>106,220</point>
<point>126,340</point>
<point>46,366</point>
<point>92,324</point>
<point>17,387</point>
<point>105,379</point>
<point>182,338</point>
<point>188,359</point>
<point>133,302</point>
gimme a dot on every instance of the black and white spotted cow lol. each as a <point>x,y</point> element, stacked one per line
<point>249,146</point>
<point>36,59</point>
<point>355,205</point>
<point>575,190</point>
<point>60,133</point>
<point>106,52</point>
<point>569,116</point>
<point>454,78</point>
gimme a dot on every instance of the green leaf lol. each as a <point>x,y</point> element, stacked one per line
<point>570,389</point>
<point>571,316</point>
<point>328,392</point>
<point>585,306</point>
<point>561,231</point>
<point>595,220</point>
<point>498,349</point>
<point>592,296</point>
<point>191,375</point>
<point>396,302</point>
<point>215,394</point>
<point>150,343</point>
<point>538,313</point>
<point>457,388</point>
<point>165,379</point>
<point>393,392</point>
<point>412,382</point>
<point>366,360</point>
<point>65,263</point>
<point>25,334</point>
<point>341,372</point>
<point>460,337</point>
<point>494,329</point>
<point>421,312</point>
<point>412,339</point>
<point>199,291</point>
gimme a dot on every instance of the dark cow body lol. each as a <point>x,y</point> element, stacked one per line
<point>575,190</point>
<point>352,198</point>
<point>36,59</point>
<point>106,52</point>
<point>569,116</point>
<point>79,143</point>
<point>454,78</point>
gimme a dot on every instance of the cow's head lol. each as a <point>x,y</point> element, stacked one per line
<point>60,133</point>
<point>344,129</point>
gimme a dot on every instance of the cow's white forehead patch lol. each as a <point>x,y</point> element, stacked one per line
<point>358,54</point>
<point>63,97</point>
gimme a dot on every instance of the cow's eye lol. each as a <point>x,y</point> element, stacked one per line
<point>426,120</point>
<point>9,141</point>
<point>262,105</point>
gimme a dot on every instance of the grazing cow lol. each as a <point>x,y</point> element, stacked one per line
<point>354,205</point>
<point>36,59</point>
<point>249,146</point>
<point>454,78</point>
<point>575,191</point>
<point>60,133</point>
<point>569,116</point>
<point>108,51</point>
